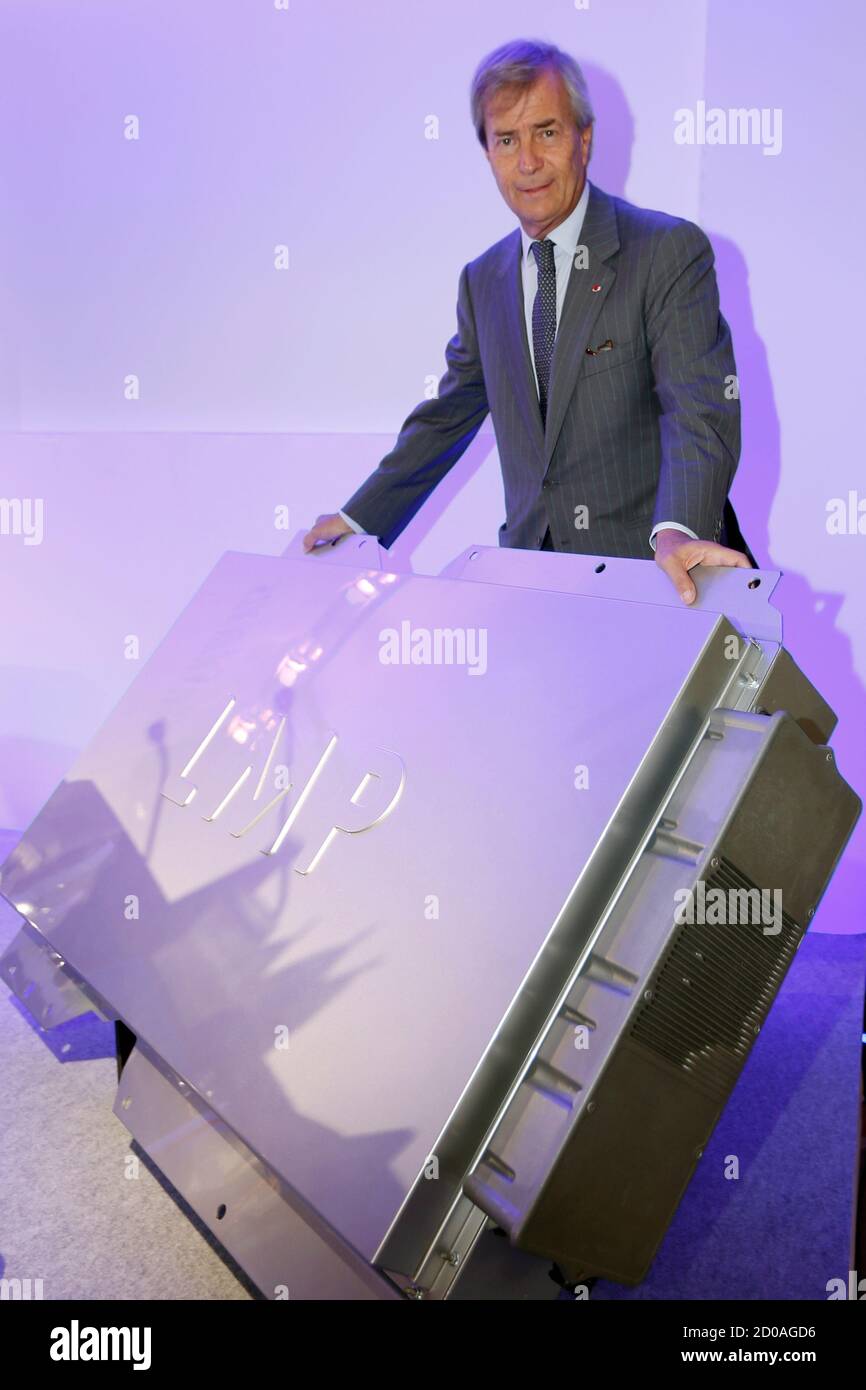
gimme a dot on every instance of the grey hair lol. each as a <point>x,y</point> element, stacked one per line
<point>519,64</point>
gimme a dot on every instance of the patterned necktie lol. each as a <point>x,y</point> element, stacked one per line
<point>544,319</point>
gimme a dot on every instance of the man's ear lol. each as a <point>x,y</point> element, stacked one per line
<point>586,142</point>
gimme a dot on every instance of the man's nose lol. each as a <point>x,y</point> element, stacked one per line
<point>529,159</point>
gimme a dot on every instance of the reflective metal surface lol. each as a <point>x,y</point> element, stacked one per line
<point>387,950</point>
<point>287,1251</point>
<point>743,595</point>
<point>337,855</point>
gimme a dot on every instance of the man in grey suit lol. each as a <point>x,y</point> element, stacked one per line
<point>593,336</point>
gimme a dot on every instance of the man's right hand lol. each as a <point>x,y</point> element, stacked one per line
<point>327,529</point>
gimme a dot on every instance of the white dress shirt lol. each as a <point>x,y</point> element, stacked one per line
<point>566,239</point>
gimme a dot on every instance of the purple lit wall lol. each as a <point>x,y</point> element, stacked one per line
<point>169,376</point>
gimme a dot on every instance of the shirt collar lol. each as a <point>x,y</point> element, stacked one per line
<point>567,234</point>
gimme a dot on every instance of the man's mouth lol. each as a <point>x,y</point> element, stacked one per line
<point>540,189</point>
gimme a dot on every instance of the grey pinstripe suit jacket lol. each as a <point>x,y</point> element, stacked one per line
<point>643,431</point>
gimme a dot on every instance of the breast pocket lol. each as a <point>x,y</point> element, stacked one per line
<point>603,358</point>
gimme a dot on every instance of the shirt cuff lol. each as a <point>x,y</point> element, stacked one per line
<point>661,526</point>
<point>359,530</point>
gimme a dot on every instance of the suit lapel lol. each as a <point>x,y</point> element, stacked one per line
<point>587,291</point>
<point>581,308</point>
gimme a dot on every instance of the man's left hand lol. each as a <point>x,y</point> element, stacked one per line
<point>677,553</point>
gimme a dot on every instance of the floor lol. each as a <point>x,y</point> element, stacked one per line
<point>74,1211</point>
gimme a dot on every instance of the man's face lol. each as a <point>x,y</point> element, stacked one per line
<point>537,154</point>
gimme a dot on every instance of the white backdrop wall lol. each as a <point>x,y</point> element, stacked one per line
<point>267,376</point>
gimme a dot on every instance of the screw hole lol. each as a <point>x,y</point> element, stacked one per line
<point>599,568</point>
<point>221,1211</point>
<point>754,583</point>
